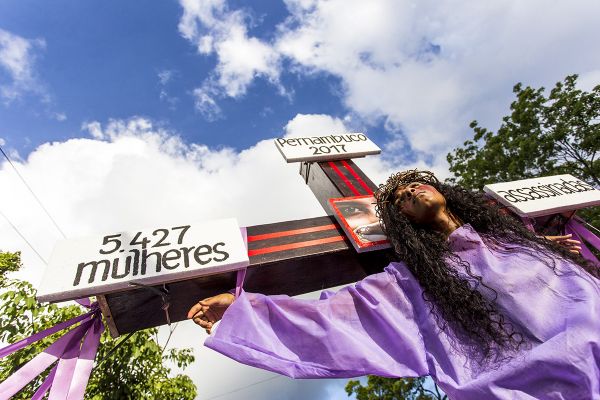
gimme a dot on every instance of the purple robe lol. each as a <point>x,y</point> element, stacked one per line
<point>382,326</point>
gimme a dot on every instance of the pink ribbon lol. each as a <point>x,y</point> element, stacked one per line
<point>69,377</point>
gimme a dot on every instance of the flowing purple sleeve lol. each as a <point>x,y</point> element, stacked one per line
<point>367,328</point>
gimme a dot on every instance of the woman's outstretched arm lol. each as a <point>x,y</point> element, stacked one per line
<point>367,328</point>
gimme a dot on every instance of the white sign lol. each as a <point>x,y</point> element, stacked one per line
<point>330,147</point>
<point>98,265</point>
<point>543,196</point>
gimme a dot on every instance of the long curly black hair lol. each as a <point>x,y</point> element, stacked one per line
<point>457,301</point>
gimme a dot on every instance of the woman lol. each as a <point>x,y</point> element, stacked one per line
<point>481,304</point>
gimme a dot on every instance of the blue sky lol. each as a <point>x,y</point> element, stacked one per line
<point>114,59</point>
<point>123,115</point>
<point>415,73</point>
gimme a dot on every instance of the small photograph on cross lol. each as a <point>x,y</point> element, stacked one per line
<point>357,217</point>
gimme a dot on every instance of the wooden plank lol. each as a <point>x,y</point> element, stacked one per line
<point>312,267</point>
<point>105,309</point>
<point>320,184</point>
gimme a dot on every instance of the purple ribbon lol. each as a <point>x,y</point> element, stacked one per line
<point>576,228</point>
<point>69,377</point>
<point>85,362</point>
<point>39,363</point>
<point>86,302</point>
<point>65,370</point>
<point>39,394</point>
<point>40,335</point>
<point>241,274</point>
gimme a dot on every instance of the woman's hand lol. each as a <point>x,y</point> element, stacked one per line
<point>210,310</point>
<point>574,246</point>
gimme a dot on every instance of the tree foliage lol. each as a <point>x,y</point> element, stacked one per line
<point>379,388</point>
<point>134,370</point>
<point>545,134</point>
<point>542,135</point>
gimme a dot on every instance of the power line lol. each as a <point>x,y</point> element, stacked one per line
<point>23,237</point>
<point>32,193</point>
<point>243,387</point>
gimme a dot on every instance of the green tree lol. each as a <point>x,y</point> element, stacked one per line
<point>545,134</point>
<point>134,370</point>
<point>379,388</point>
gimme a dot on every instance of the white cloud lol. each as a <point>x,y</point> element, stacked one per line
<point>134,173</point>
<point>213,28</point>
<point>59,116</point>
<point>129,170</point>
<point>166,76</point>
<point>242,58</point>
<point>205,101</point>
<point>314,124</point>
<point>199,11</point>
<point>17,59</point>
<point>427,68</point>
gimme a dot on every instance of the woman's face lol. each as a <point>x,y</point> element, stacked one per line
<point>419,202</point>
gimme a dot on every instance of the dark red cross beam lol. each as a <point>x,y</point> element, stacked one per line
<point>291,257</point>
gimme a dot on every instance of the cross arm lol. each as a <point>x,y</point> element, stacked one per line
<point>291,257</point>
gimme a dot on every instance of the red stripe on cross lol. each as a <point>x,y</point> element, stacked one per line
<point>357,177</point>
<point>291,232</point>
<point>344,179</point>
<point>297,245</point>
